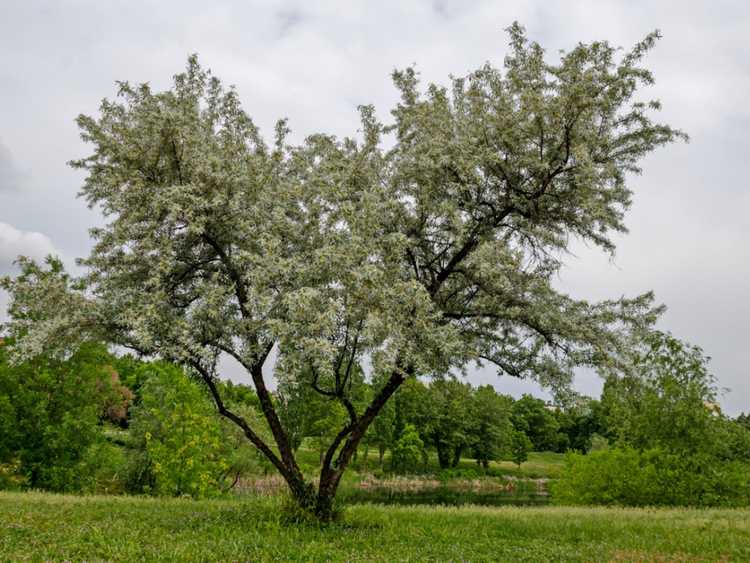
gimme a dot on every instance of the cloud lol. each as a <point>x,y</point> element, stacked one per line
<point>14,242</point>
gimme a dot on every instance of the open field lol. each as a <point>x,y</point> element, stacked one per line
<point>36,526</point>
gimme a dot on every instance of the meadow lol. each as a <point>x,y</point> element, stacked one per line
<point>44,526</point>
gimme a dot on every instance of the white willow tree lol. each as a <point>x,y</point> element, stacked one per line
<point>423,258</point>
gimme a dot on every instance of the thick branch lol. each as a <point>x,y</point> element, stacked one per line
<point>256,440</point>
<point>266,403</point>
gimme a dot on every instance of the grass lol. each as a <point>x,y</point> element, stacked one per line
<point>42,526</point>
<point>547,465</point>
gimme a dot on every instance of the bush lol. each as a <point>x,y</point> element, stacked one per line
<point>102,469</point>
<point>629,477</point>
<point>49,416</point>
<point>179,445</point>
<point>459,473</point>
<point>407,452</point>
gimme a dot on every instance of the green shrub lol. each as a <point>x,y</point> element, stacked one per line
<point>179,445</point>
<point>103,469</point>
<point>629,477</point>
<point>49,415</point>
<point>408,450</point>
<point>459,473</point>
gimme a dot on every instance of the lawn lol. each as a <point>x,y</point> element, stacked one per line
<point>41,526</point>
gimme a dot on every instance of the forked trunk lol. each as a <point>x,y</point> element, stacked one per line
<point>324,509</point>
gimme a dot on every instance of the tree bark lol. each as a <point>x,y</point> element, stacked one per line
<point>456,456</point>
<point>444,458</point>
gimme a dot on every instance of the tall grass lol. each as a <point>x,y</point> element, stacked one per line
<point>37,526</point>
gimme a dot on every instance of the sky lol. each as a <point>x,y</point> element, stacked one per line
<point>315,62</point>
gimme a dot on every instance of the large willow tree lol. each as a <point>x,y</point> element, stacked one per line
<point>423,258</point>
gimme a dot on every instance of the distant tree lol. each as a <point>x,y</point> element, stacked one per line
<point>744,420</point>
<point>299,407</point>
<point>670,381</point>
<point>491,430</point>
<point>413,406</point>
<point>408,450</point>
<point>429,253</point>
<point>520,447</point>
<point>449,426</point>
<point>532,417</point>
<point>578,423</point>
<point>382,433</point>
<point>671,443</point>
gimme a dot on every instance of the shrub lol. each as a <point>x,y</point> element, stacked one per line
<point>49,415</point>
<point>407,452</point>
<point>102,469</point>
<point>178,438</point>
<point>628,477</point>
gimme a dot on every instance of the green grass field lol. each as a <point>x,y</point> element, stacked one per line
<point>40,526</point>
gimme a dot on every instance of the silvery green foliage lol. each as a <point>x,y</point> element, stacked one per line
<point>494,177</point>
<point>49,310</point>
<point>424,257</point>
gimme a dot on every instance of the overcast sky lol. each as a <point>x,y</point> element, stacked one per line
<point>314,62</point>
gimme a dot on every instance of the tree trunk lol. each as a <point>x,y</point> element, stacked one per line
<point>443,456</point>
<point>456,456</point>
<point>381,455</point>
<point>351,435</point>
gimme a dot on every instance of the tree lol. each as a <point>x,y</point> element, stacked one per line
<point>449,424</point>
<point>520,446</point>
<point>491,428</point>
<point>532,417</point>
<point>579,422</point>
<point>665,425</point>
<point>49,414</point>
<point>670,381</point>
<point>381,433</point>
<point>425,257</point>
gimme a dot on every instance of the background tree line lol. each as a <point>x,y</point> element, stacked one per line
<point>98,422</point>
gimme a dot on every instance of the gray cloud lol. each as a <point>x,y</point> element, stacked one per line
<point>315,62</point>
<point>14,242</point>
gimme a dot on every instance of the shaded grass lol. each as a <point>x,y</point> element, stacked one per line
<point>45,526</point>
